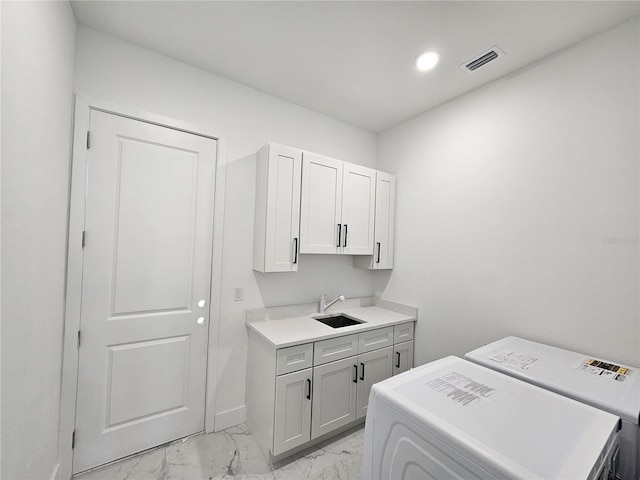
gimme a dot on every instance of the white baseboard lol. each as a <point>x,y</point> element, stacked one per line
<point>230,418</point>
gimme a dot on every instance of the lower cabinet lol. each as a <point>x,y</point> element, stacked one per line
<point>319,387</point>
<point>402,357</point>
<point>373,367</point>
<point>334,396</point>
<point>341,389</point>
<point>292,426</point>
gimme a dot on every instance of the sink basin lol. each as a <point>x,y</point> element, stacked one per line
<point>338,321</point>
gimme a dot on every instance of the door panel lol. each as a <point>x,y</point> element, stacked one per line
<point>154,227</point>
<point>147,264</point>
<point>159,367</point>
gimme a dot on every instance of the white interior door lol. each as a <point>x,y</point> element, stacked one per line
<point>145,289</point>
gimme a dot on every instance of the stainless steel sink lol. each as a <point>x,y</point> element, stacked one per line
<point>338,320</point>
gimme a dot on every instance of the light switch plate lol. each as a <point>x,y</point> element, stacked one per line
<point>238,294</point>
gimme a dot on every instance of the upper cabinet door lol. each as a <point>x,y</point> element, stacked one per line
<point>382,257</point>
<point>320,214</point>
<point>338,206</point>
<point>384,220</point>
<point>358,208</point>
<point>277,209</point>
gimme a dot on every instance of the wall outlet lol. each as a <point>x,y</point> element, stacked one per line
<point>238,294</point>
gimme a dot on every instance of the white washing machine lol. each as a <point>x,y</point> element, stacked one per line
<point>599,383</point>
<point>452,419</point>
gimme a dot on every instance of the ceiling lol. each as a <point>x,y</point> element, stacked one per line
<point>354,60</point>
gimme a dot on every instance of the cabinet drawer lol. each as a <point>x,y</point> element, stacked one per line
<point>374,339</point>
<point>335,349</point>
<point>403,332</point>
<point>294,358</point>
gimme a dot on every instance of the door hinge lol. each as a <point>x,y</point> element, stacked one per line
<point>88,140</point>
<point>73,440</point>
<point>78,338</point>
<point>84,238</point>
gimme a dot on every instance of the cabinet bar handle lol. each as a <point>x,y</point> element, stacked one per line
<point>355,374</point>
<point>362,374</point>
<point>345,235</point>
<point>378,260</point>
<point>339,232</point>
<point>295,251</point>
<point>308,389</point>
<point>397,359</point>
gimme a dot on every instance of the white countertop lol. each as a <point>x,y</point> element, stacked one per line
<point>286,332</point>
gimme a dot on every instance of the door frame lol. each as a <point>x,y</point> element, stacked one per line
<point>73,291</point>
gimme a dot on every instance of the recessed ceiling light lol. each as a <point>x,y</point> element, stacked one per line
<point>427,60</point>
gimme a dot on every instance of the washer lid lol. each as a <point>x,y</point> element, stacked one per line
<point>529,431</point>
<point>604,384</point>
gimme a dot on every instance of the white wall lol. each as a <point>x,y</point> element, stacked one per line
<point>38,43</point>
<point>116,71</point>
<point>517,207</point>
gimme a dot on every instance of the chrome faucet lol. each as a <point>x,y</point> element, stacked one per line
<point>324,305</point>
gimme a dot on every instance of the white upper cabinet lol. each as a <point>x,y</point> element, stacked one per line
<point>384,225</point>
<point>337,207</point>
<point>321,207</point>
<point>385,220</point>
<point>358,209</point>
<point>309,203</point>
<point>277,209</point>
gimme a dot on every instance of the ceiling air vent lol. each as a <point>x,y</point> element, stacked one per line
<point>482,59</point>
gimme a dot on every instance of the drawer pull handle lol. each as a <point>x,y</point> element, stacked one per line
<point>345,235</point>
<point>379,247</point>
<point>397,359</point>
<point>295,251</point>
<point>362,374</point>
<point>339,234</point>
<point>355,374</point>
<point>308,389</point>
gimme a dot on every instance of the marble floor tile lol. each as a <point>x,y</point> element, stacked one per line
<point>234,455</point>
<point>147,465</point>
